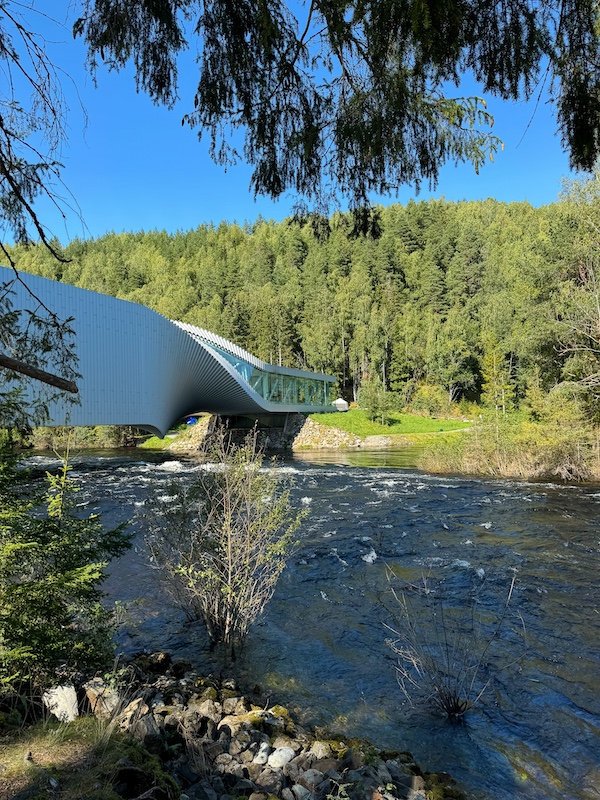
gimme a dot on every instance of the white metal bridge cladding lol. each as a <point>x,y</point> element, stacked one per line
<point>140,368</point>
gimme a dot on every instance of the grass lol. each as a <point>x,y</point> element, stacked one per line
<point>178,433</point>
<point>154,443</point>
<point>81,759</point>
<point>400,428</point>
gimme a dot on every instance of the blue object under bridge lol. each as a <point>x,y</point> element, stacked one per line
<point>140,368</point>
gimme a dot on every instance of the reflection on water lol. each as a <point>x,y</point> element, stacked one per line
<point>399,457</point>
<point>320,644</point>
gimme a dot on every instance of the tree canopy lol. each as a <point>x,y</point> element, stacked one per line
<point>333,98</point>
<point>349,97</point>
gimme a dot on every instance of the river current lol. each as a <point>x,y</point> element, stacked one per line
<point>320,646</point>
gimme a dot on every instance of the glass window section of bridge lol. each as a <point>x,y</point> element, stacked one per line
<point>277,387</point>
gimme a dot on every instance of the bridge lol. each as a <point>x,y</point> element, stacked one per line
<point>140,368</point>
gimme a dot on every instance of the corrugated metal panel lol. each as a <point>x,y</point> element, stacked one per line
<point>139,368</point>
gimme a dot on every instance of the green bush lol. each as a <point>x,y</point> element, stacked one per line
<point>80,437</point>
<point>429,399</point>
<point>52,565</point>
<point>222,542</point>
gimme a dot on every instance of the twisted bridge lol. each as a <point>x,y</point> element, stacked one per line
<point>140,368</point>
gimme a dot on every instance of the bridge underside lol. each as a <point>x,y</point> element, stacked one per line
<point>140,368</point>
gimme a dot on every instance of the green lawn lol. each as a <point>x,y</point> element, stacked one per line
<point>357,422</point>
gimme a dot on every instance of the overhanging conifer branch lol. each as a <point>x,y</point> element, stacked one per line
<point>38,374</point>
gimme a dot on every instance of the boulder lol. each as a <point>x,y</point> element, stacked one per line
<point>61,701</point>
<point>104,701</point>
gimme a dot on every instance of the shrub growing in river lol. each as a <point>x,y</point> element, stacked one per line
<point>221,542</point>
<point>445,648</point>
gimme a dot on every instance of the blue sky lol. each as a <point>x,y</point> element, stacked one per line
<point>133,166</point>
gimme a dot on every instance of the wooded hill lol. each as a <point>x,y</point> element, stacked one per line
<point>467,299</point>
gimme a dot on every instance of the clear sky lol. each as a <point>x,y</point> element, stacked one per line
<point>132,166</point>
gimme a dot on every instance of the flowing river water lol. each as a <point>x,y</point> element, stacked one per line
<point>320,646</point>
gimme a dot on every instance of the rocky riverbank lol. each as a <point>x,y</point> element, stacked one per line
<point>300,433</point>
<point>219,744</point>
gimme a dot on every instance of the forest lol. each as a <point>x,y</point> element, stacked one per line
<point>442,302</point>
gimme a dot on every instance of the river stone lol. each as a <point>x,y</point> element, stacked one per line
<point>104,701</point>
<point>301,793</point>
<point>192,722</point>
<point>185,771</point>
<point>171,721</point>
<point>243,788</point>
<point>202,790</point>
<point>235,722</point>
<point>140,723</point>
<point>209,709</point>
<point>222,763</point>
<point>280,757</point>
<point>329,766</point>
<point>292,772</point>
<point>383,774</point>
<point>239,743</point>
<point>230,705</point>
<point>320,749</point>
<point>303,761</point>
<point>263,754</point>
<point>283,740</point>
<point>273,724</point>
<point>311,779</point>
<point>236,770</point>
<point>62,702</point>
<point>246,757</point>
<point>287,794</point>
<point>270,781</point>
<point>418,783</point>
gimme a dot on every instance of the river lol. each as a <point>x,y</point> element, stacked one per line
<point>320,646</point>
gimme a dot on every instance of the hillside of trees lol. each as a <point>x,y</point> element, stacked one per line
<point>471,300</point>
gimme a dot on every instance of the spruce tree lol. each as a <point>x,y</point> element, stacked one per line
<point>52,565</point>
